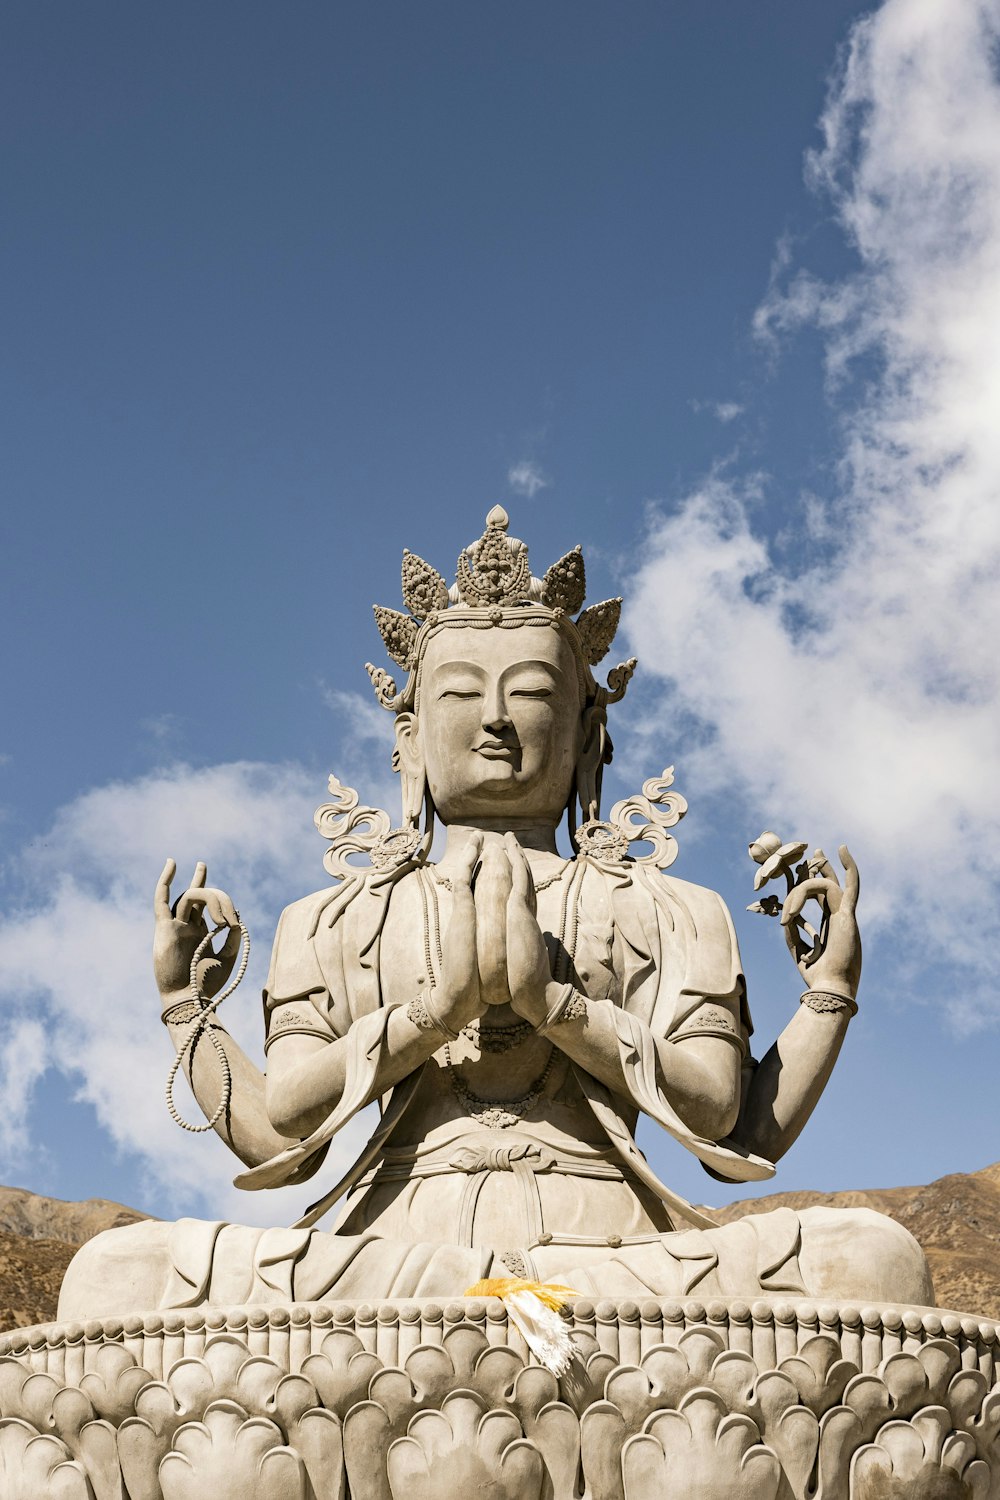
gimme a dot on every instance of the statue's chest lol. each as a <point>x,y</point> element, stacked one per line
<point>418,929</point>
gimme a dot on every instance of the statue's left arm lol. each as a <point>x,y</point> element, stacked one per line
<point>786,1086</point>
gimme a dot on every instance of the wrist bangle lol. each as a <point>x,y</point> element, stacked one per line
<point>183,1010</point>
<point>421,1013</point>
<point>568,1006</point>
<point>826,1003</point>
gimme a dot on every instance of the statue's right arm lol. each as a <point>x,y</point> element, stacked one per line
<point>307,1073</point>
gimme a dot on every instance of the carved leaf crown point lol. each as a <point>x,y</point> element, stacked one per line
<point>597,626</point>
<point>399,632</point>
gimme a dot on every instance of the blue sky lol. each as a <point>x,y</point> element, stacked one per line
<point>711,289</point>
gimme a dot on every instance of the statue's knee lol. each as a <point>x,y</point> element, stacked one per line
<point>861,1254</point>
<point>118,1271</point>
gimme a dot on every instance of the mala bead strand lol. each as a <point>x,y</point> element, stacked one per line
<point>203,1017</point>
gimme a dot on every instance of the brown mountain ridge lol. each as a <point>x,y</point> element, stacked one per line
<point>956,1219</point>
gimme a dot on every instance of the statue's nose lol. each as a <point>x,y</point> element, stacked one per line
<point>495,715</point>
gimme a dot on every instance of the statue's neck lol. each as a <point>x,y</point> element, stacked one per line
<point>529,834</point>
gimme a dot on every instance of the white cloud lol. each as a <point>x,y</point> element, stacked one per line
<point>526,478</point>
<point>861,691</point>
<point>727,411</point>
<point>75,958</point>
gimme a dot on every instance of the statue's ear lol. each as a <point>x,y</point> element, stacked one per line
<point>591,759</point>
<point>408,760</point>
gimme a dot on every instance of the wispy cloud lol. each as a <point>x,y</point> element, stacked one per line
<point>75,967</point>
<point>723,411</point>
<point>862,690</point>
<point>526,478</point>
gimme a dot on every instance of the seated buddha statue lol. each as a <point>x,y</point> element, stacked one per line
<point>511,1011</point>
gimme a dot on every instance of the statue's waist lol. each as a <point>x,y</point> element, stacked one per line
<point>520,1158</point>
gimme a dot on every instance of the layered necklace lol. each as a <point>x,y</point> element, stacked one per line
<point>500,1114</point>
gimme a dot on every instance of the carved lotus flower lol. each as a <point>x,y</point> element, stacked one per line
<point>34,1467</point>
<point>774,858</point>
<point>231,1458</point>
<point>921,1457</point>
<point>699,1452</point>
<point>464,1449</point>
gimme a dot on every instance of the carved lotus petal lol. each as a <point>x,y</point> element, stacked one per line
<point>368,1432</point>
<point>603,1432</point>
<point>13,1374</point>
<point>393,1389</point>
<point>966,1394</point>
<point>699,1450</point>
<point>597,626</point>
<point>583,1383</point>
<point>424,589</point>
<point>555,1432</point>
<point>294,1396</point>
<point>451,1453</point>
<point>231,1458</point>
<point>840,1434</point>
<point>986,1426</point>
<point>565,583</point>
<point>773,1395</point>
<point>630,1390</point>
<point>256,1383</point>
<point>940,1360</point>
<point>192,1386</point>
<point>818,1373</point>
<point>140,1449</point>
<point>779,863</point>
<point>701,1347</point>
<point>342,1372</point>
<point>496,1371</point>
<point>38,1395</point>
<point>534,1388</point>
<point>795,1439</point>
<point>431,1371</point>
<point>37,1467</point>
<point>156,1405</point>
<point>70,1411</point>
<point>464,1344</point>
<point>97,1450</point>
<point>906,1381</point>
<point>114,1383</point>
<point>868,1397</point>
<point>734,1375</point>
<point>319,1442</point>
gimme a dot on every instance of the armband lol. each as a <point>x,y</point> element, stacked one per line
<point>712,1022</point>
<point>287,1021</point>
<point>825,1003</point>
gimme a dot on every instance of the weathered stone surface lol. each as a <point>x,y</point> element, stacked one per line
<point>415,1400</point>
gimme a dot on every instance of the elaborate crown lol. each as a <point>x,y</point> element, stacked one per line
<point>494,586</point>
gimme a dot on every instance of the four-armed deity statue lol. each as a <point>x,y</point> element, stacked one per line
<point>501,1298</point>
<point>513,1012</point>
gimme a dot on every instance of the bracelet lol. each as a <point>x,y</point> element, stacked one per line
<point>421,1014</point>
<point>184,1010</point>
<point>826,1003</point>
<point>569,1006</point>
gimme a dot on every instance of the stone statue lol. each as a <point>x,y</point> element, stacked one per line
<point>512,1011</point>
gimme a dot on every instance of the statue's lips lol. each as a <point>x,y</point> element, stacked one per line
<point>495,751</point>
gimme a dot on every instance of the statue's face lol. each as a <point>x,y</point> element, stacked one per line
<point>500,722</point>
